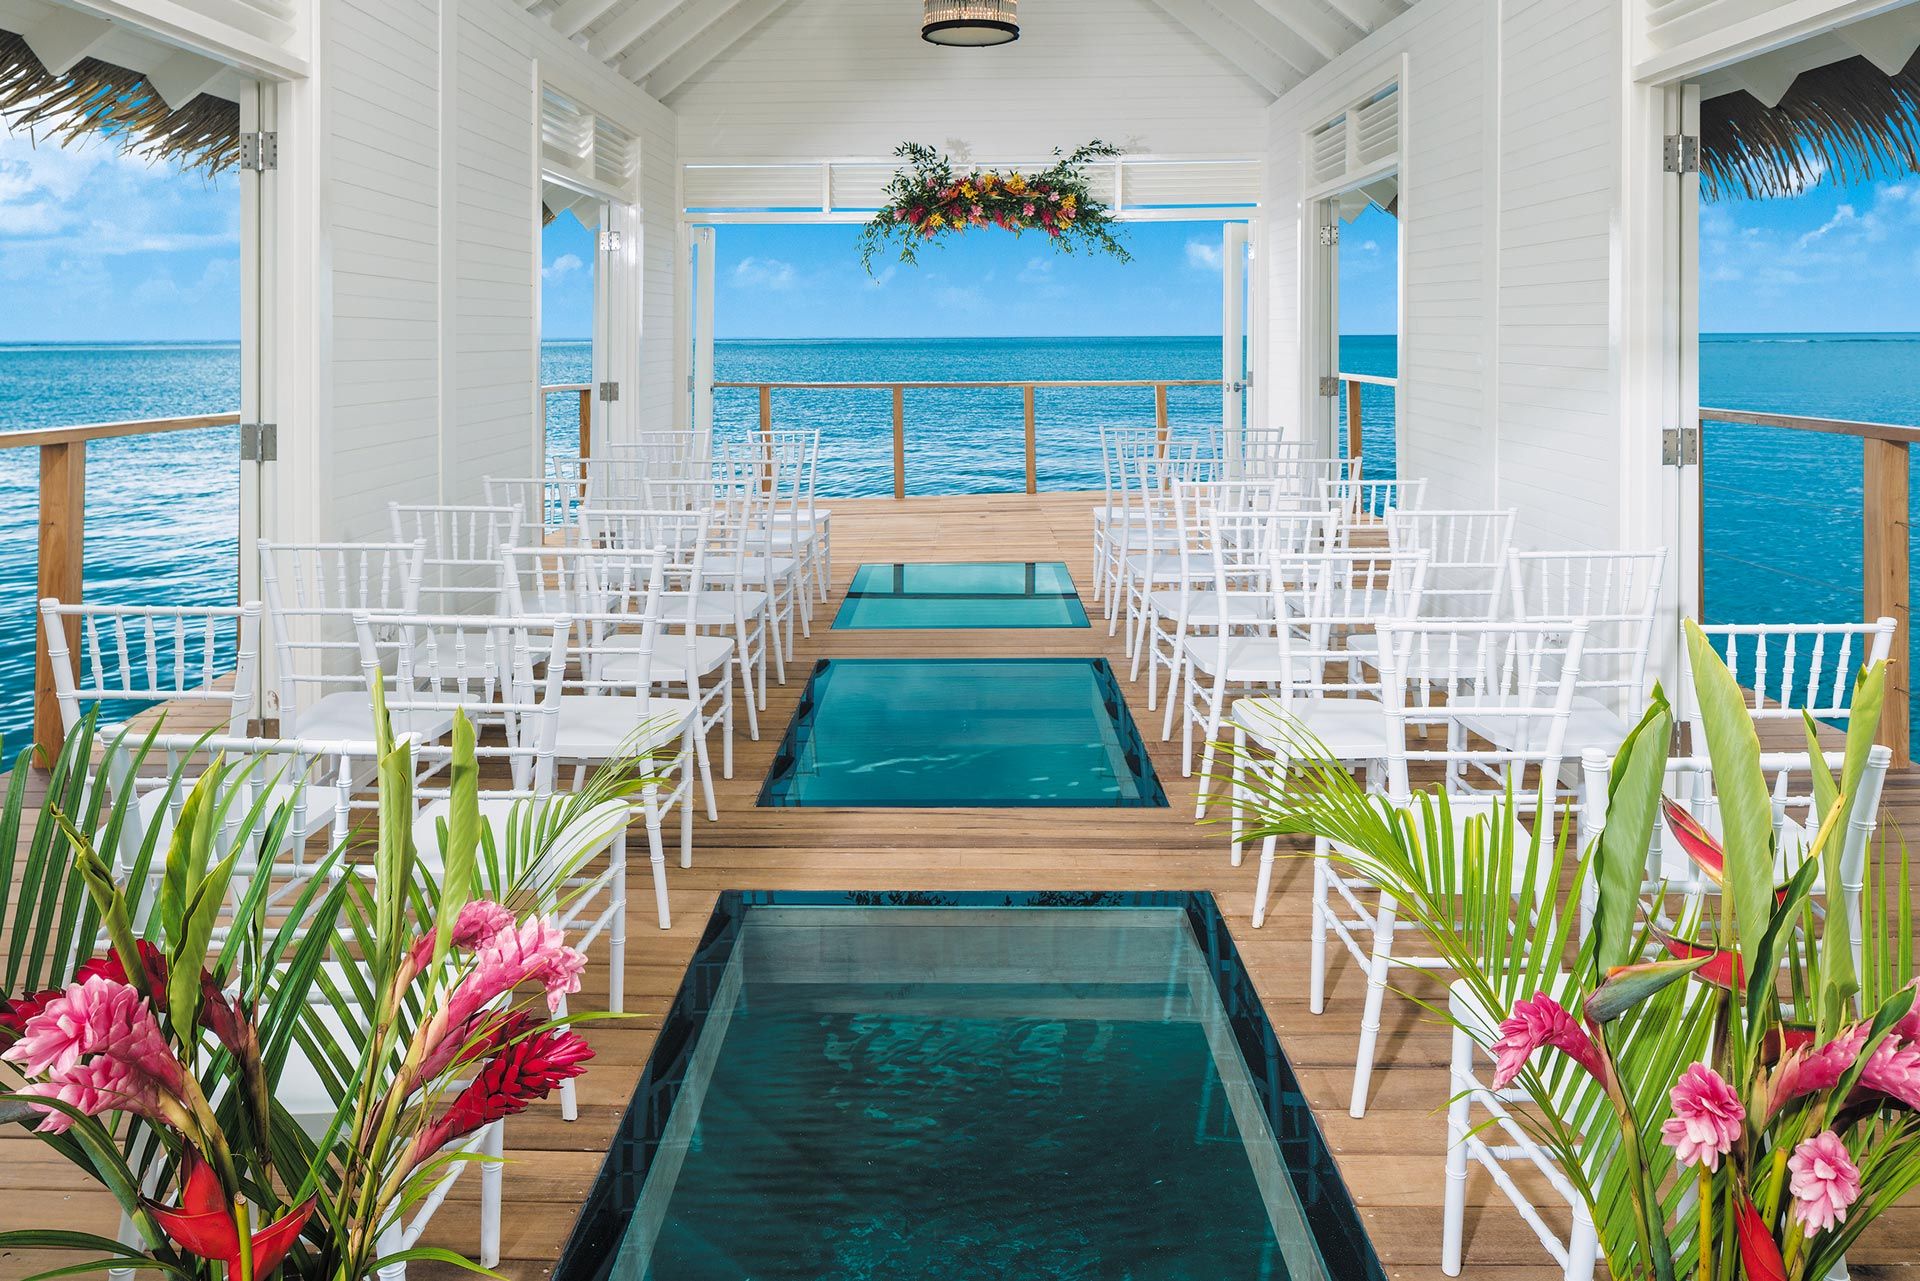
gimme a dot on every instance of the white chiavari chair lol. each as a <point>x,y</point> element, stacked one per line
<point>1154,559</point>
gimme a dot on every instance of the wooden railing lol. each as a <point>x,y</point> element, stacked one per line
<point>1886,541</point>
<point>1026,389</point>
<point>63,522</point>
<point>585,392</point>
<point>1353,383</point>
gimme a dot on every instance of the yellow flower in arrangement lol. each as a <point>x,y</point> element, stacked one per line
<point>937,221</point>
<point>1069,203</point>
<point>1016,183</point>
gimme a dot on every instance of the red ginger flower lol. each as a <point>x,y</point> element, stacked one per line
<point>1538,1022</point>
<point>1808,1071</point>
<point>525,1070</point>
<point>203,1224</point>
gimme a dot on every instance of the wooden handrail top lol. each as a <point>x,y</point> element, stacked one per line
<point>1830,426</point>
<point>551,389</point>
<point>1008,385</point>
<point>36,437</point>
<point>1375,380</point>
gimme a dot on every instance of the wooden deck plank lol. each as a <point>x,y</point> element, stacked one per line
<point>1392,1160</point>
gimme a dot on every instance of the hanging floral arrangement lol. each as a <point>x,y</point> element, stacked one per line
<point>929,199</point>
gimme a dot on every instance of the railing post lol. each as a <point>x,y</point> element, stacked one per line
<point>63,507</point>
<point>766,437</point>
<point>1161,430</point>
<point>1355,444</point>
<point>586,422</point>
<point>1033,469</point>
<point>899,441</point>
<point>1885,549</point>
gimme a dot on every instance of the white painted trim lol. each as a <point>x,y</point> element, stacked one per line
<point>1779,26</point>
<point>183,27</point>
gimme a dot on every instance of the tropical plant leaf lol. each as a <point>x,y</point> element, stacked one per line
<point>1629,985</point>
<point>1633,801</point>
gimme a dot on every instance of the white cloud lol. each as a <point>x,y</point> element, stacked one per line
<point>560,268</point>
<point>763,273</point>
<point>1844,216</point>
<point>1202,256</point>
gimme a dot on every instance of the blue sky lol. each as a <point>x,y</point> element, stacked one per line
<point>96,245</point>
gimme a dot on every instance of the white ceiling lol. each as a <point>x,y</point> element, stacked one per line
<point>662,44</point>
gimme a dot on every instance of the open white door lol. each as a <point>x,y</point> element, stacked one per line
<point>700,384</point>
<point>1233,335</point>
<point>259,432</point>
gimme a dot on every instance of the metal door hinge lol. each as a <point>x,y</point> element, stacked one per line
<point>610,242</point>
<point>259,442</point>
<point>259,151</point>
<point>1330,234</point>
<point>1329,385</point>
<point>264,727</point>
<point>1681,153</point>
<point>609,391</point>
<point>1680,447</point>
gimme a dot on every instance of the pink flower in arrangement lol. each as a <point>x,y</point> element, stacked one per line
<point>1707,1118</point>
<point>522,1071</point>
<point>1808,1071</point>
<point>477,925</point>
<point>100,1049</point>
<point>1824,1182</point>
<point>102,1084</point>
<point>1894,1069</point>
<point>536,951</point>
<point>1538,1022</point>
<point>1026,210</point>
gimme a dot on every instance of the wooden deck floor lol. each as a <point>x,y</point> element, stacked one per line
<point>1392,1160</point>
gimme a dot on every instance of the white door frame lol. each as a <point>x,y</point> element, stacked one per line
<point>1234,309</point>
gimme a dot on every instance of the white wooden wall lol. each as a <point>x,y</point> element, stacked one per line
<point>1510,188</point>
<point>835,78</point>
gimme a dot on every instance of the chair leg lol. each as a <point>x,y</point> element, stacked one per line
<point>1380,959</point>
<point>701,762</point>
<point>393,1240</point>
<point>1583,1249</point>
<point>1265,885</point>
<point>617,926</point>
<point>569,1100</point>
<point>1133,668</point>
<point>1237,821</point>
<point>686,803</point>
<point>746,696</point>
<point>724,691</point>
<point>656,850</point>
<point>493,1143</point>
<point>1453,1218</point>
<point>1317,932</point>
<point>1209,753</point>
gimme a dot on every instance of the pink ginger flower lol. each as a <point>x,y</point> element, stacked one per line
<point>101,1084</point>
<point>1824,1182</point>
<point>1908,1028</point>
<point>536,951</point>
<point>1026,209</point>
<point>100,1049</point>
<point>1808,1071</point>
<point>1707,1118</point>
<point>1894,1069</point>
<point>1537,1022</point>
<point>479,923</point>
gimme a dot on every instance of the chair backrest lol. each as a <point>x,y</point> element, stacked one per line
<point>312,592</point>
<point>1242,547</point>
<point>1467,558</point>
<point>546,504</point>
<point>1786,667</point>
<point>1616,592</point>
<point>611,599</point>
<point>1331,598</point>
<point>134,658</point>
<point>1371,500</point>
<point>1488,704</point>
<point>612,480</point>
<point>461,571</point>
<point>483,666</point>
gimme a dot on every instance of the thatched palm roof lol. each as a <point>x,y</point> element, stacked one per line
<point>1847,121</point>
<point>98,98</point>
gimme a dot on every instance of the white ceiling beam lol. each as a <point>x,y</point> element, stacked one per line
<point>660,75</point>
<point>1368,15</point>
<point>575,16</point>
<point>65,36</point>
<point>629,24</point>
<point>1255,20</point>
<point>1767,77</point>
<point>1888,41</point>
<point>183,77</point>
<point>1258,63</point>
<point>1326,33</point>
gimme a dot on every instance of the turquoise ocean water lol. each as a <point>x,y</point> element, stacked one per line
<point>1782,536</point>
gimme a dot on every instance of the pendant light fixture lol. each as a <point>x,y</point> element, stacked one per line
<point>971,24</point>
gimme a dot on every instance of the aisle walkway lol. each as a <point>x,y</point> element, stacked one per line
<point>1391,1160</point>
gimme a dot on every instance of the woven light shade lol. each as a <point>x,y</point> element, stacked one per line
<point>971,23</point>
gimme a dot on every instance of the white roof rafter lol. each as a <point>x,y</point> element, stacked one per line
<point>671,58</point>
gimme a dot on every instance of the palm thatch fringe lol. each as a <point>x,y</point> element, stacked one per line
<point>1847,121</point>
<point>98,98</point>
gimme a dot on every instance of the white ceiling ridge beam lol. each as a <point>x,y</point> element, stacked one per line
<point>733,22</point>
<point>1368,15</point>
<point>635,20</point>
<point>183,77</point>
<point>1326,33</point>
<point>1767,77</point>
<point>575,16</point>
<point>1888,41</point>
<point>1259,64</point>
<point>62,38</point>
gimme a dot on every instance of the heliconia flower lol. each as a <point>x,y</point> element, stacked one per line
<point>1695,839</point>
<point>1893,1069</point>
<point>97,1016</point>
<point>1808,1071</point>
<point>1707,1118</point>
<point>1759,1252</point>
<point>1723,968</point>
<point>1537,1022</point>
<point>1824,1182</point>
<point>521,1072</point>
<point>203,1223</point>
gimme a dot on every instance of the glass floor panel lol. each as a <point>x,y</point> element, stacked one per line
<point>962,594</point>
<point>939,732</point>
<point>919,1087</point>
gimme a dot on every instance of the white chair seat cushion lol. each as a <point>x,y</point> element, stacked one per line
<point>1161,567</point>
<point>749,568</point>
<point>1590,725</point>
<point>710,654</point>
<point>1248,658</point>
<point>598,729</point>
<point>1202,608</point>
<point>1350,728</point>
<point>715,607</point>
<point>348,717</point>
<point>585,834</point>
